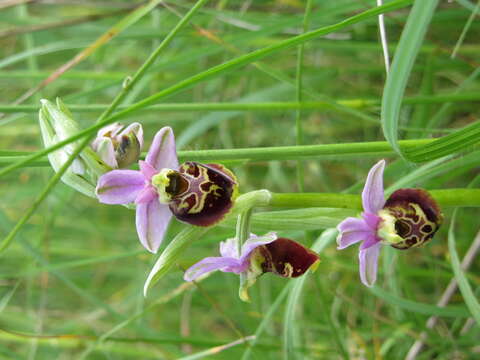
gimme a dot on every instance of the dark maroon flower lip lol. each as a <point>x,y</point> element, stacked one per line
<point>257,256</point>
<point>287,258</point>
<point>207,194</point>
<point>417,216</point>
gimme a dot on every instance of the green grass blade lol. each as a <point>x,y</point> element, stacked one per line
<point>404,58</point>
<point>293,301</point>
<point>457,141</point>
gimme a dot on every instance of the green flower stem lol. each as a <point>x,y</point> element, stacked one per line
<point>445,198</point>
<point>242,233</point>
<point>305,200</point>
<point>457,197</point>
<point>264,106</point>
<point>373,148</point>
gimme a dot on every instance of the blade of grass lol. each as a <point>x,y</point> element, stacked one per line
<point>63,23</point>
<point>299,97</point>
<point>465,29</point>
<point>446,145</point>
<point>217,349</point>
<point>293,300</point>
<point>405,55</point>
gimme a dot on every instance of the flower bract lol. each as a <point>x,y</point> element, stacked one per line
<point>57,124</point>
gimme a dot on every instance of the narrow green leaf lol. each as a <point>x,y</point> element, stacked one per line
<point>449,144</point>
<point>404,58</point>
<point>289,323</point>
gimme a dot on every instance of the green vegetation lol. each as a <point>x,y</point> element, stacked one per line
<point>293,97</point>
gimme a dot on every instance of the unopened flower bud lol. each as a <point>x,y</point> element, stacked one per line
<point>119,146</point>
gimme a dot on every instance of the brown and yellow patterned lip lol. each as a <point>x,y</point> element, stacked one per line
<point>287,258</point>
<point>417,214</point>
<point>209,196</point>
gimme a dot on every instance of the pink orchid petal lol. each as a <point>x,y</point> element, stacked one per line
<point>147,170</point>
<point>368,264</point>
<point>152,222</point>
<point>369,241</point>
<point>353,224</point>
<point>120,186</point>
<point>228,248</point>
<point>372,220</point>
<point>137,129</point>
<point>146,195</point>
<point>372,196</point>
<point>346,239</point>
<point>253,242</point>
<point>163,153</point>
<point>210,264</point>
<point>110,130</point>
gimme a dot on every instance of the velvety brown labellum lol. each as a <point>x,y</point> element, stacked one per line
<point>208,193</point>
<point>287,258</point>
<point>417,214</point>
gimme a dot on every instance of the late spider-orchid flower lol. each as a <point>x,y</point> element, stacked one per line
<point>258,255</point>
<point>199,194</point>
<point>119,146</point>
<point>408,218</point>
<point>128,186</point>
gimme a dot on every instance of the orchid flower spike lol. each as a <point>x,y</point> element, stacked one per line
<point>119,146</point>
<point>195,193</point>
<point>258,255</point>
<point>408,218</point>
